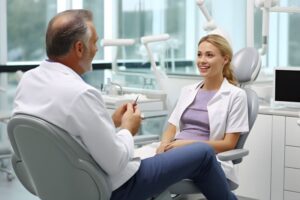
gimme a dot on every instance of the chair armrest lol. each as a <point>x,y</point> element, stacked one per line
<point>145,139</point>
<point>233,154</point>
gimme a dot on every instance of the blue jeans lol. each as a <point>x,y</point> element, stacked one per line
<point>196,161</point>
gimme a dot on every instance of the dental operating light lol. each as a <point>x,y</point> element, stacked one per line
<point>210,24</point>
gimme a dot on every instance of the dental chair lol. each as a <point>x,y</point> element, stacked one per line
<point>246,66</point>
<point>52,165</point>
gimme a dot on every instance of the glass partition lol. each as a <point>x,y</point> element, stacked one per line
<point>182,19</point>
<point>27,22</point>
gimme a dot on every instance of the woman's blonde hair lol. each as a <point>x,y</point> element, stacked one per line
<point>224,47</point>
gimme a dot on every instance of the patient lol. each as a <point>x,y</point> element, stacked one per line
<point>56,92</point>
<point>213,111</point>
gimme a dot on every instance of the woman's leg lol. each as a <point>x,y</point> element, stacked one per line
<point>156,174</point>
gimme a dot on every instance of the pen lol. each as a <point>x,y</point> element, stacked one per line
<point>135,101</point>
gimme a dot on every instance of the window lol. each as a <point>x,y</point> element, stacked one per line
<point>284,43</point>
<point>27,22</point>
<point>140,18</point>
<point>183,21</point>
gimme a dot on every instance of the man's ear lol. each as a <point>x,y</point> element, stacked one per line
<point>79,48</point>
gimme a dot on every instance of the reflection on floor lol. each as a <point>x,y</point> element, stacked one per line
<point>13,190</point>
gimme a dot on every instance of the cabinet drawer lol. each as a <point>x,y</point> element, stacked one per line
<point>291,195</point>
<point>292,179</point>
<point>292,132</point>
<point>292,155</point>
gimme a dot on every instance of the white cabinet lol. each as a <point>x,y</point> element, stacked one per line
<point>285,184</point>
<point>292,161</point>
<point>292,132</point>
<point>292,155</point>
<point>255,170</point>
<point>292,179</point>
<point>271,171</point>
<point>291,196</point>
<point>277,169</point>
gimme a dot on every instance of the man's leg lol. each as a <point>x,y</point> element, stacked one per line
<point>156,174</point>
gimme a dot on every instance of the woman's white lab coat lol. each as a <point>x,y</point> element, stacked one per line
<point>227,113</point>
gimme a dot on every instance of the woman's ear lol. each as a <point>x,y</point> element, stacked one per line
<point>79,48</point>
<point>226,60</point>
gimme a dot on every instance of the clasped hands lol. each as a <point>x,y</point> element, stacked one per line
<point>128,116</point>
<point>165,146</point>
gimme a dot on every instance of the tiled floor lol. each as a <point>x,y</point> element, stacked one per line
<point>13,190</point>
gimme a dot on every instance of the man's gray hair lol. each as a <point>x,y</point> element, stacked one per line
<point>59,39</point>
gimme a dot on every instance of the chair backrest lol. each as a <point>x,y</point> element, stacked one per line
<point>246,66</point>
<point>51,164</point>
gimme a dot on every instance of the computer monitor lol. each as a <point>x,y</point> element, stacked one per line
<point>287,86</point>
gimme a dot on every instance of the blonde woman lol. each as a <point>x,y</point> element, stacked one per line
<point>213,111</point>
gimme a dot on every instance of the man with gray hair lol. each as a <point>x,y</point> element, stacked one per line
<point>55,91</point>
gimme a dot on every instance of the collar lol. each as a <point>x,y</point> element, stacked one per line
<point>56,66</point>
<point>225,86</point>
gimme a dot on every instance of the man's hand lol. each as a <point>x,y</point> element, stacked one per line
<point>118,114</point>
<point>131,119</point>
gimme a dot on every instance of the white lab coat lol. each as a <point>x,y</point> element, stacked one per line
<point>227,113</point>
<point>57,94</point>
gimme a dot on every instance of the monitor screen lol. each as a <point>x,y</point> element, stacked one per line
<point>287,86</point>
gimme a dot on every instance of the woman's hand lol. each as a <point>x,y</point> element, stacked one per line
<point>178,143</point>
<point>162,147</point>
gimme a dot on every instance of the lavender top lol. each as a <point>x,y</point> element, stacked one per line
<point>194,120</point>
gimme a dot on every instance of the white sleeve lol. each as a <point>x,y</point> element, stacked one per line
<point>237,120</point>
<point>89,119</point>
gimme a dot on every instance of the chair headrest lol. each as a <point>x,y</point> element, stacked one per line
<point>246,64</point>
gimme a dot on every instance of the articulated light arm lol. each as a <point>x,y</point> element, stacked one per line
<point>266,6</point>
<point>116,42</point>
<point>160,76</point>
<point>265,31</point>
<point>153,38</point>
<point>210,25</point>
